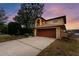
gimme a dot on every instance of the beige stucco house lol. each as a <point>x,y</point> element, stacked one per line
<point>54,27</point>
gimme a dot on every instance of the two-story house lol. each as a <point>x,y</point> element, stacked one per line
<point>54,27</point>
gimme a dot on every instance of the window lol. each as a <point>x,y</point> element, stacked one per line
<point>43,22</point>
<point>38,22</point>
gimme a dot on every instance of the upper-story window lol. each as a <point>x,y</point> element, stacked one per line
<point>38,22</point>
<point>43,22</point>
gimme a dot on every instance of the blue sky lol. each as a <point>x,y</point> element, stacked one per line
<point>11,9</point>
<point>51,10</point>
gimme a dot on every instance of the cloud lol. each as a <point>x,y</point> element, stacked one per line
<point>72,26</point>
<point>72,23</point>
<point>57,10</point>
<point>10,17</point>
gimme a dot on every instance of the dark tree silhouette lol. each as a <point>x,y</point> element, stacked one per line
<point>28,14</point>
<point>14,28</point>
<point>3,17</point>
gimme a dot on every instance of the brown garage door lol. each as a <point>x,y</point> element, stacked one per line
<point>46,32</point>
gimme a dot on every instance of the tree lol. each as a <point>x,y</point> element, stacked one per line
<point>14,28</point>
<point>28,14</point>
<point>3,17</point>
<point>4,29</point>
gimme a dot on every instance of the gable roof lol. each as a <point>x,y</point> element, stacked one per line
<point>64,18</point>
<point>41,18</point>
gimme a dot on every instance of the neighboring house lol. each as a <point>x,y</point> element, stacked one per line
<point>50,28</point>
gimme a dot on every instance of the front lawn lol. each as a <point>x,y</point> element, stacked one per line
<point>4,38</point>
<point>61,48</point>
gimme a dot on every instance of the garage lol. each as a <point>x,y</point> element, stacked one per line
<point>46,32</point>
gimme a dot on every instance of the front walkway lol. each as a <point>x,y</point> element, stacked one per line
<point>25,47</point>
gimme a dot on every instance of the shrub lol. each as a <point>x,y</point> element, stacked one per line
<point>27,35</point>
<point>14,28</point>
<point>3,29</point>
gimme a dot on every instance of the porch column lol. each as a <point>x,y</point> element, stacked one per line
<point>35,32</point>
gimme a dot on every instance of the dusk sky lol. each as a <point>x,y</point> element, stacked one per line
<point>51,10</point>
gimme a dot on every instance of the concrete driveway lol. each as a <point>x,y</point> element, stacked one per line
<point>25,47</point>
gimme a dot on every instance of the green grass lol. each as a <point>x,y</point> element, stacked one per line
<point>61,48</point>
<point>4,38</point>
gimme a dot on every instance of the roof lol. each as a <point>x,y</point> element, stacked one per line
<point>64,18</point>
<point>42,18</point>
